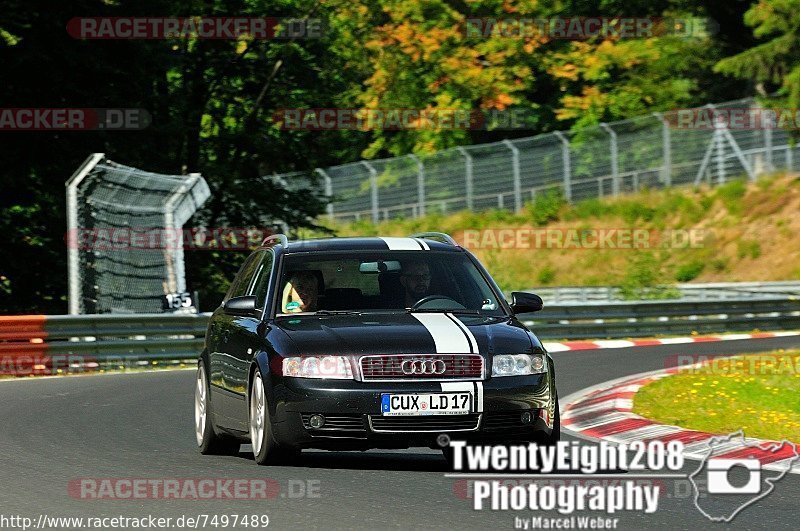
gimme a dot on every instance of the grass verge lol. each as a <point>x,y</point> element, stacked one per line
<point>759,394</point>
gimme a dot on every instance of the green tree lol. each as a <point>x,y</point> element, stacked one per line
<point>776,61</point>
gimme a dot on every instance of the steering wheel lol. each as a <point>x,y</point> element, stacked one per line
<point>430,298</point>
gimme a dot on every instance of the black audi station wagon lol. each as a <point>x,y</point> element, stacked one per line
<point>359,343</point>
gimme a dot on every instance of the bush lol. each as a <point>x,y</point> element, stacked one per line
<point>690,271</point>
<point>546,207</point>
<point>546,275</point>
<point>731,195</point>
<point>642,280</point>
<point>719,265</point>
<point>745,248</point>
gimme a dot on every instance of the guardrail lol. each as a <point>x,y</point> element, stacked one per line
<point>40,344</point>
<point>688,291</point>
<point>651,318</point>
<point>44,344</point>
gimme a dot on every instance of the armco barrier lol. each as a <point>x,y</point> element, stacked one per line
<point>43,344</point>
<point>651,318</point>
<point>688,291</point>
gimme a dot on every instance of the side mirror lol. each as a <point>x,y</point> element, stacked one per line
<point>522,302</point>
<point>241,306</point>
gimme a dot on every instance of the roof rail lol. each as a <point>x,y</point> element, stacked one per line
<point>283,240</point>
<point>446,238</point>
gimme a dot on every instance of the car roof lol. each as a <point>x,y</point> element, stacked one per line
<point>370,244</point>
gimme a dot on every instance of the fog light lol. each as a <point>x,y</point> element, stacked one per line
<point>316,421</point>
<point>526,417</point>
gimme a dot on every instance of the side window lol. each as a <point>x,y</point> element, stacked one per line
<point>260,284</point>
<point>244,277</point>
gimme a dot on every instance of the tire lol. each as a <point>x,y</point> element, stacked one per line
<point>265,449</point>
<point>208,440</point>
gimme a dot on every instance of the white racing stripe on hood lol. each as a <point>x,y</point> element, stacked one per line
<point>447,335</point>
<point>402,244</point>
<point>471,338</point>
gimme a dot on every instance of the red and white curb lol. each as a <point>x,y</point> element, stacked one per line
<point>605,412</point>
<point>624,343</point>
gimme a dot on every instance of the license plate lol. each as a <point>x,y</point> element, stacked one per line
<point>426,404</point>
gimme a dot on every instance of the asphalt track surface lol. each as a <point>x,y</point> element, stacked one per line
<point>141,426</point>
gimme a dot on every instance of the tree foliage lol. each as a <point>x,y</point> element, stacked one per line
<point>776,60</point>
<point>212,101</point>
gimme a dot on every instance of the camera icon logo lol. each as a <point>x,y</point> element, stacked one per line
<point>720,483</point>
<point>736,472</point>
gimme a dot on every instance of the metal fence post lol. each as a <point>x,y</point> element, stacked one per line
<point>614,159</point>
<point>515,173</point>
<point>420,185</point>
<point>373,187</point>
<point>467,175</point>
<point>719,125</point>
<point>73,258</point>
<point>328,190</point>
<point>768,148</point>
<point>666,145</point>
<point>566,165</point>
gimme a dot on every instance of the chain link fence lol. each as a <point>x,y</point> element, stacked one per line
<point>619,157</point>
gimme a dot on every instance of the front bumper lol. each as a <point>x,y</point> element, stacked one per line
<point>352,411</point>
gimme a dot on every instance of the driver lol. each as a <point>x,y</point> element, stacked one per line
<point>416,280</point>
<point>301,293</point>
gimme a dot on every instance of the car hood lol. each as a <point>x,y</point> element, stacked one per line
<point>418,333</point>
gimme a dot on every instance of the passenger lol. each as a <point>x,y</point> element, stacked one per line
<point>416,281</point>
<point>301,293</point>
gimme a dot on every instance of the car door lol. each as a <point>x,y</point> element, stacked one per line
<point>225,351</point>
<point>246,340</point>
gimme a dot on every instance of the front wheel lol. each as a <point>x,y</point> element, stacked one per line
<point>208,441</point>
<point>265,450</point>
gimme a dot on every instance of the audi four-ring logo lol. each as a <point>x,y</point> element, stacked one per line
<point>423,367</point>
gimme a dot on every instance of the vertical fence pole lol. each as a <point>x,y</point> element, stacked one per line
<point>516,175</point>
<point>467,175</point>
<point>719,125</point>
<point>614,159</point>
<point>565,161</point>
<point>666,146</point>
<point>373,188</point>
<point>328,190</point>
<point>73,258</point>
<point>420,185</point>
<point>768,147</point>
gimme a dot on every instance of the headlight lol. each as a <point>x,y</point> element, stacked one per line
<point>332,367</point>
<point>518,364</point>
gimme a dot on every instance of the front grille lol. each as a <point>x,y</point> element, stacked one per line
<point>505,420</point>
<point>433,423</point>
<point>336,423</point>
<point>390,367</point>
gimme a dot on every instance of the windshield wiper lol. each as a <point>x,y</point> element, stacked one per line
<point>337,312</point>
<point>457,311</point>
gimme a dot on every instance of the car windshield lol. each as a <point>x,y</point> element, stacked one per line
<point>370,281</point>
